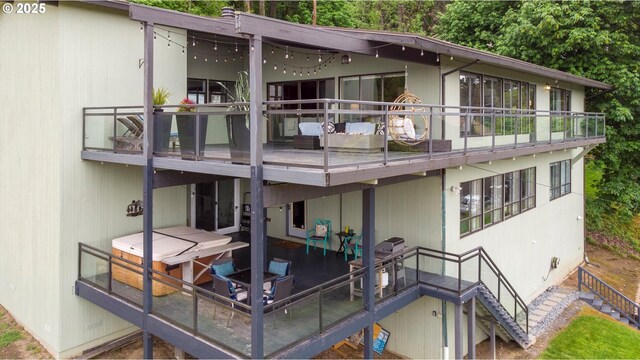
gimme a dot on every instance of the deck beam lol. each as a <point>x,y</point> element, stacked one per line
<point>368,260</point>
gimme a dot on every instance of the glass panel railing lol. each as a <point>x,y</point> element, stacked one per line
<point>339,302</point>
<point>94,267</point>
<point>116,129</point>
<point>127,280</point>
<point>288,323</point>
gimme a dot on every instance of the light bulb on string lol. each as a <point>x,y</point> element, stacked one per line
<point>285,70</point>
<point>141,27</point>
<point>193,41</point>
<point>216,59</point>
<point>421,52</point>
<point>168,35</point>
<point>286,54</point>
<point>314,71</point>
<point>275,67</point>
<point>294,72</point>
<point>154,35</point>
<point>253,47</point>
<point>300,72</point>
<point>236,47</point>
<point>438,57</point>
<point>376,53</point>
<point>264,60</point>
<point>205,59</point>
<point>195,57</point>
<point>402,47</point>
<point>183,49</point>
<point>319,57</point>
<point>307,57</point>
<point>225,59</point>
<point>272,50</point>
<point>215,46</point>
<point>308,72</point>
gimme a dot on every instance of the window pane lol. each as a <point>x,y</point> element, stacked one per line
<point>393,87</point>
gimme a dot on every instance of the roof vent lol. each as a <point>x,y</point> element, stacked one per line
<point>228,12</point>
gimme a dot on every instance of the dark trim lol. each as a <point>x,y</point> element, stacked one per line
<point>181,20</point>
<point>110,303</point>
<point>167,178</point>
<point>189,343</point>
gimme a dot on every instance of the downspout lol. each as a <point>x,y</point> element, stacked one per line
<point>443,229</point>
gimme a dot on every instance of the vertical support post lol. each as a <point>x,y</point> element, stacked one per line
<point>580,279</point>
<point>257,205</point>
<point>147,197</point>
<point>492,338</point>
<point>386,139</point>
<point>458,330</point>
<point>325,140</point>
<point>471,329</point>
<point>368,261</point>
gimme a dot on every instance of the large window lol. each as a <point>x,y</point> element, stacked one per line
<point>377,87</point>
<point>203,91</point>
<point>560,100</point>
<point>487,201</point>
<point>491,92</point>
<point>560,179</point>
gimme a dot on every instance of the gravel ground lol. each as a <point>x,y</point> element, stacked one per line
<point>570,296</point>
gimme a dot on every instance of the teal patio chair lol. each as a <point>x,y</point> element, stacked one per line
<point>321,231</point>
<point>353,243</point>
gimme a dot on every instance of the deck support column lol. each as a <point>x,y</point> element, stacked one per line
<point>458,331</point>
<point>492,338</point>
<point>471,329</point>
<point>147,190</point>
<point>368,261</point>
<point>258,235</point>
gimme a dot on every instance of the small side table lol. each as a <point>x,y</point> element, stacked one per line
<point>341,235</point>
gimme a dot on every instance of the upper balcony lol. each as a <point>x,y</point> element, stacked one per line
<point>328,142</point>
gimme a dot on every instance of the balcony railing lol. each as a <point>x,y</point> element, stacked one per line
<point>304,314</point>
<point>223,131</point>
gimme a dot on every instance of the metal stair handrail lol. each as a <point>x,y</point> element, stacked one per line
<point>618,301</point>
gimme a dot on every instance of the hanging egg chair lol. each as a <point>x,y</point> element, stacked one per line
<point>403,119</point>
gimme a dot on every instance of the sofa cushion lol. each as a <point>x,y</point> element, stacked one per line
<point>364,128</point>
<point>311,128</point>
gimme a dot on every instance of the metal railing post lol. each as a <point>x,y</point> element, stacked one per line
<point>79,260</point>
<point>466,132</point>
<point>430,132</point>
<point>84,128</point>
<point>197,137</point>
<point>515,131</point>
<point>320,327</point>
<point>564,128</point>
<point>459,275</point>
<point>579,279</point>
<point>325,154</point>
<point>115,116</point>
<point>195,310</point>
<point>110,275</point>
<point>493,130</point>
<point>386,129</point>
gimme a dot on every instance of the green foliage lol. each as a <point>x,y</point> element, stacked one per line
<point>202,8</point>
<point>9,337</point>
<point>401,16</point>
<point>598,40</point>
<point>160,96</point>
<point>329,13</point>
<point>593,337</point>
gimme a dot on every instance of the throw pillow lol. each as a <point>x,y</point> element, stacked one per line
<point>321,230</point>
<point>409,130</point>
<point>331,128</point>
<point>279,268</point>
<point>380,130</point>
<point>223,269</point>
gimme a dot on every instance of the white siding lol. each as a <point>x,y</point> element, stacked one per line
<point>30,155</point>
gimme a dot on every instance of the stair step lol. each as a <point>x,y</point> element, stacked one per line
<point>597,302</point>
<point>615,315</point>
<point>586,295</point>
<point>606,309</point>
<point>624,320</point>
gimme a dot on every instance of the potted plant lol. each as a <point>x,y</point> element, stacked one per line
<point>237,124</point>
<point>187,130</point>
<point>162,124</point>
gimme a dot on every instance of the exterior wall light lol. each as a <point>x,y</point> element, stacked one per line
<point>547,86</point>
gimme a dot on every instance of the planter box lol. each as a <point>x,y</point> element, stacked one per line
<point>309,142</point>
<point>356,143</point>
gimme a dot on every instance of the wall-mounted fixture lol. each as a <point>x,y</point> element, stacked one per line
<point>547,86</point>
<point>135,208</point>
<point>346,59</point>
<point>579,218</point>
<point>456,189</point>
<point>555,262</point>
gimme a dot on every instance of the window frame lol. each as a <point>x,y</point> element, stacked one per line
<point>561,188</point>
<point>523,199</point>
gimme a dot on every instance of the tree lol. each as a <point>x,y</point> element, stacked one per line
<point>598,40</point>
<point>400,16</point>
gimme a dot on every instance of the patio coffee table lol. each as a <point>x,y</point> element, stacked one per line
<point>243,277</point>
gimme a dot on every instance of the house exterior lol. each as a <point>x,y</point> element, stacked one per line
<point>502,168</point>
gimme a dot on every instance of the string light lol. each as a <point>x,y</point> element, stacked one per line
<point>195,57</point>
<point>183,50</point>
<point>307,57</point>
<point>294,72</point>
<point>205,59</point>
<point>438,57</point>
<point>285,70</point>
<point>376,53</point>
<point>421,52</point>
<point>264,60</point>
<point>319,57</point>
<point>154,36</point>
<point>141,27</point>
<point>275,67</point>
<point>402,47</point>
<point>193,41</point>
<point>286,55</point>
<point>236,47</point>
<point>168,35</point>
<point>252,48</point>
<point>349,57</point>
<point>215,46</point>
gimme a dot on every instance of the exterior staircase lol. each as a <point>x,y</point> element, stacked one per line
<point>510,327</point>
<point>606,299</point>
